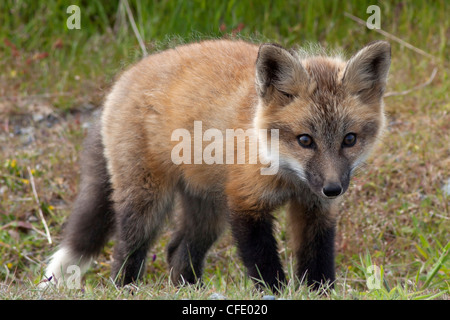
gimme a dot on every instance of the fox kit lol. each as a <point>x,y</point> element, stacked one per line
<point>327,112</point>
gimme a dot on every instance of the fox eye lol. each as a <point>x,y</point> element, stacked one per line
<point>349,140</point>
<point>305,141</point>
<point>287,95</point>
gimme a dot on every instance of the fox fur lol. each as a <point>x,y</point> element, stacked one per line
<point>129,183</point>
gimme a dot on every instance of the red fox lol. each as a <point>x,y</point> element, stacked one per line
<point>327,114</point>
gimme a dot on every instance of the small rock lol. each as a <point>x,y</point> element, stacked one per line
<point>38,117</point>
<point>446,187</point>
<point>217,296</point>
<point>51,120</point>
<point>86,125</point>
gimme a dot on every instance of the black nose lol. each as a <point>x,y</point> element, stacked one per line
<point>332,190</point>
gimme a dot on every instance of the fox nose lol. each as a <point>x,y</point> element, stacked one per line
<point>332,190</point>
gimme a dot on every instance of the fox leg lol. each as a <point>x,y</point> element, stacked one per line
<point>201,222</point>
<point>313,230</point>
<point>257,247</point>
<point>141,214</point>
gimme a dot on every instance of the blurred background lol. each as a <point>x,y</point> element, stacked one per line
<point>39,54</point>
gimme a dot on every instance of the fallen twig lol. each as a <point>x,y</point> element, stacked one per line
<point>391,36</point>
<point>135,29</point>
<point>406,44</point>
<point>420,86</point>
<point>41,215</point>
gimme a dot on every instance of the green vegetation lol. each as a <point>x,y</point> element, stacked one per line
<point>394,216</point>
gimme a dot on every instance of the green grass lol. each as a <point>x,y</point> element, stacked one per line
<point>394,216</point>
<point>86,60</point>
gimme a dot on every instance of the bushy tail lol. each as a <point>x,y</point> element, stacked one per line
<point>92,219</point>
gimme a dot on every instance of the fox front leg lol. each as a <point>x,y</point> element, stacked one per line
<point>313,229</point>
<point>257,246</point>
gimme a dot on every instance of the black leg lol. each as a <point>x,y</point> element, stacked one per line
<point>139,223</point>
<point>186,258</point>
<point>201,222</point>
<point>316,258</point>
<point>314,229</point>
<point>131,250</point>
<point>258,248</point>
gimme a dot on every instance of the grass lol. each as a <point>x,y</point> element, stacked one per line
<point>394,216</point>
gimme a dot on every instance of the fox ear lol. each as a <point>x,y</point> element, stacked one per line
<point>366,72</point>
<point>279,74</point>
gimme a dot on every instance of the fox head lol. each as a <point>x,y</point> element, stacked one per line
<point>329,112</point>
